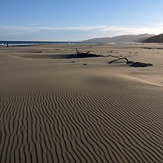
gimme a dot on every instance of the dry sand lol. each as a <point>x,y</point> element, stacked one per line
<point>55,109</point>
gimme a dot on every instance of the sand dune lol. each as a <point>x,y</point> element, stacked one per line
<point>53,110</point>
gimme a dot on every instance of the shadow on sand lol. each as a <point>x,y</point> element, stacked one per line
<point>63,56</point>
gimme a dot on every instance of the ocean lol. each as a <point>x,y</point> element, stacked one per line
<point>26,43</point>
<point>22,43</point>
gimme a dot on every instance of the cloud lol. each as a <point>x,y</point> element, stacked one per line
<point>80,32</point>
<point>155,28</point>
<point>37,28</point>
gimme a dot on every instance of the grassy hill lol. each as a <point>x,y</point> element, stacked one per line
<point>121,39</point>
<point>155,39</point>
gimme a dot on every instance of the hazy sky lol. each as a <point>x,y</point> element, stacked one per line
<point>68,20</point>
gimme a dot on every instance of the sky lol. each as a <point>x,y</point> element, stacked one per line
<point>77,20</point>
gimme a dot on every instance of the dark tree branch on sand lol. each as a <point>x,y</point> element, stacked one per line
<point>128,62</point>
<point>87,54</point>
<point>131,63</point>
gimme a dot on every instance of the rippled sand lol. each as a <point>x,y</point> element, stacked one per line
<point>67,109</point>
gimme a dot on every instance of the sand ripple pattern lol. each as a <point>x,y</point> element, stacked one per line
<point>111,123</point>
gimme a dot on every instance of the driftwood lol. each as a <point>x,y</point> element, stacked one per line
<point>87,54</point>
<point>131,63</point>
<point>128,62</point>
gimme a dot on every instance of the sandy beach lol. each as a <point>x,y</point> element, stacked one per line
<point>57,107</point>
